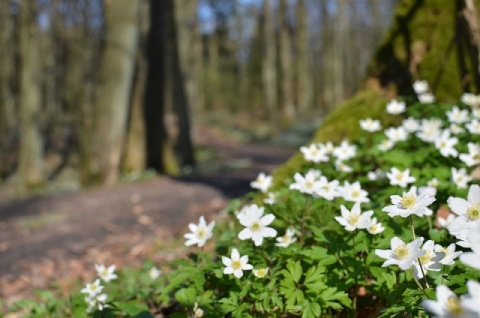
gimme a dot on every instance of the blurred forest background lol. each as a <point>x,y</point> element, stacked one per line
<point>107,87</point>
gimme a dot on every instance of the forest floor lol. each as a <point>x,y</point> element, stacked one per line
<point>59,237</point>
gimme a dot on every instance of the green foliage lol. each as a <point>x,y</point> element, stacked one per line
<point>327,271</point>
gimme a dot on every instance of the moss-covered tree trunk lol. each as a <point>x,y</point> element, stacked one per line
<point>425,43</point>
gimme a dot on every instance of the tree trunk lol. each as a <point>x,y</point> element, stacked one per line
<point>304,79</point>
<point>159,151</point>
<point>30,166</point>
<point>7,102</point>
<point>471,34</point>
<point>112,100</point>
<point>286,65</point>
<point>184,87</point>
<point>269,61</point>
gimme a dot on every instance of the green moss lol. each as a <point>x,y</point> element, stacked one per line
<point>420,45</point>
<point>342,123</point>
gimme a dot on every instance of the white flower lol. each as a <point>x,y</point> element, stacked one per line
<point>261,272</point>
<point>353,192</point>
<point>401,254</point>
<point>470,300</point>
<point>472,158</point>
<point>256,225</point>
<point>396,134</point>
<point>460,177</point>
<point>197,311</point>
<point>460,228</point>
<point>446,222</point>
<point>271,198</point>
<point>375,227</point>
<point>472,259</point>
<point>327,147</point>
<point>433,183</point>
<point>97,301</point>
<point>426,98</point>
<point>420,87</point>
<point>154,273</point>
<point>450,254</point>
<point>409,203</point>
<point>400,178</point>
<point>467,209</point>
<point>456,129</point>
<point>473,127</point>
<point>429,129</point>
<point>354,219</point>
<point>395,107</point>
<point>308,184</point>
<point>457,116</point>
<point>446,144</point>
<point>106,274</point>
<point>386,144</point>
<point>262,183</point>
<point>447,304</point>
<point>476,113</point>
<point>429,261</point>
<point>410,124</point>
<point>345,151</point>
<point>93,289</point>
<point>235,264</point>
<point>327,190</point>
<point>200,233</point>
<point>314,153</point>
<point>342,167</point>
<point>370,125</point>
<point>471,100</point>
<point>287,239</point>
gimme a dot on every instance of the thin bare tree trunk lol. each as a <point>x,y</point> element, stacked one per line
<point>304,79</point>
<point>286,64</point>
<point>30,167</point>
<point>114,87</point>
<point>184,87</point>
<point>269,67</point>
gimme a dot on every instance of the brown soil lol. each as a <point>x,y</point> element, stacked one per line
<point>60,237</point>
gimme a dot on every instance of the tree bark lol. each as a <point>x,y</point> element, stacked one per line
<point>112,100</point>
<point>304,79</point>
<point>286,64</point>
<point>7,101</point>
<point>269,60</point>
<point>30,166</point>
<point>159,154</point>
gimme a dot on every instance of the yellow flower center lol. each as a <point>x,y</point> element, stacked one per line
<point>309,184</point>
<point>236,265</point>
<point>201,233</point>
<point>453,306</point>
<point>425,258</point>
<point>473,212</point>
<point>373,227</point>
<point>255,226</point>
<point>286,239</point>
<point>353,218</point>
<point>261,272</point>
<point>408,201</point>
<point>401,252</point>
<point>443,144</point>
<point>355,193</point>
<point>399,176</point>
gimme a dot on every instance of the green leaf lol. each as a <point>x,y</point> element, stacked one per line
<point>186,296</point>
<point>295,268</point>
<point>311,310</point>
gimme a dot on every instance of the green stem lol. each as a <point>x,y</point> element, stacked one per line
<point>411,225</point>
<point>418,283</point>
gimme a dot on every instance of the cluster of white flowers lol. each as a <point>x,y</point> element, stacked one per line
<point>355,219</point>
<point>94,296</point>
<point>421,88</point>
<point>319,152</point>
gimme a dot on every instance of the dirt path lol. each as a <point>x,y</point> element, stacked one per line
<point>60,237</point>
